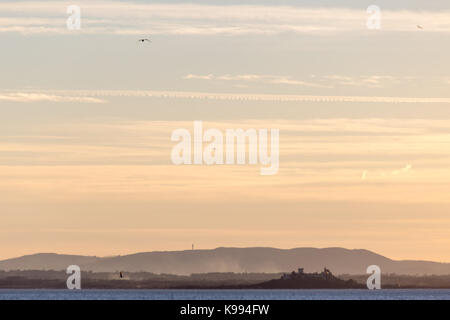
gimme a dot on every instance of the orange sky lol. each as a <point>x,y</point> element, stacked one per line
<point>319,197</point>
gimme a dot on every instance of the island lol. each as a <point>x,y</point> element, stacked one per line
<point>302,280</point>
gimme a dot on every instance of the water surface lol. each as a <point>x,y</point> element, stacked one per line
<point>410,294</point>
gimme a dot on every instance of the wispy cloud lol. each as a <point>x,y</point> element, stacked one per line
<point>397,172</point>
<point>115,17</point>
<point>405,169</point>
<point>36,97</point>
<point>320,158</point>
<point>371,81</point>
<point>198,77</point>
<point>364,175</point>
<point>257,78</point>
<point>326,81</point>
<point>98,96</point>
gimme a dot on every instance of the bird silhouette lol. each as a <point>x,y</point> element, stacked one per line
<point>143,40</point>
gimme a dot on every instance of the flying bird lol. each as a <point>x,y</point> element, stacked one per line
<point>121,275</point>
<point>143,40</point>
<point>420,26</point>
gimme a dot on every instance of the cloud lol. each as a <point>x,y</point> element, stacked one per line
<point>198,77</point>
<point>407,168</point>
<point>364,175</point>
<point>257,78</point>
<point>37,97</point>
<point>92,96</point>
<point>371,81</point>
<point>319,159</point>
<point>403,170</point>
<point>115,17</point>
<point>327,81</point>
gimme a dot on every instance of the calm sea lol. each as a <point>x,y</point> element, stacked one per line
<point>225,295</point>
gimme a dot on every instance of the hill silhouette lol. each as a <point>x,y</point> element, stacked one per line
<point>255,260</point>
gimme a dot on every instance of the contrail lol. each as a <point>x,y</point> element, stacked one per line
<point>238,96</point>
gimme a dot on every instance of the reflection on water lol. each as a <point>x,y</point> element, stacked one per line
<point>225,295</point>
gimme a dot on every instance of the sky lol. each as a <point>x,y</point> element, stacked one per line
<point>86,118</point>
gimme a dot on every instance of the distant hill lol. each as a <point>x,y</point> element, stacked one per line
<point>45,261</point>
<point>270,260</point>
